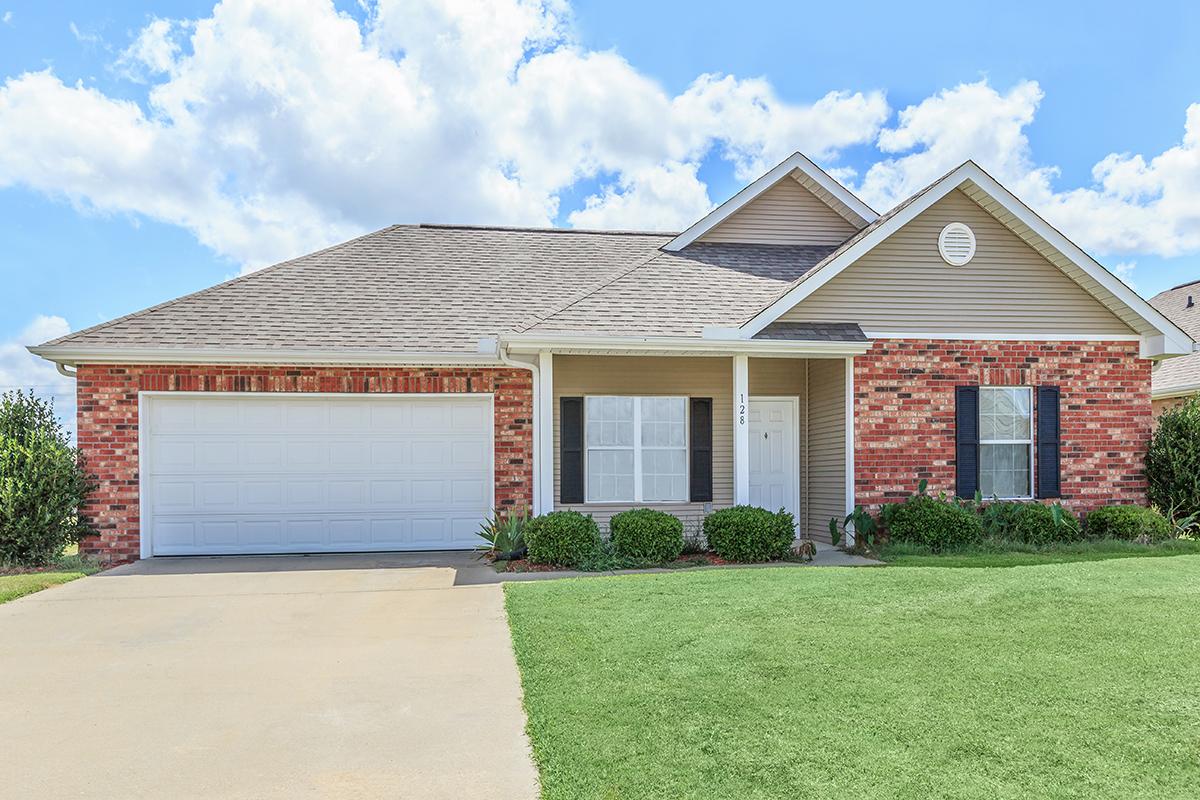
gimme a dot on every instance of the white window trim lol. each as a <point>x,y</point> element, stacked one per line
<point>1030,441</point>
<point>637,451</point>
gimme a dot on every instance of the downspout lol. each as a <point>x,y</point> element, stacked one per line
<point>504,358</point>
<point>62,370</point>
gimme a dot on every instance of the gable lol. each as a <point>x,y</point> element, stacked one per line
<point>902,286</point>
<point>786,213</point>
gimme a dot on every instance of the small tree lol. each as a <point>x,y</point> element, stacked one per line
<point>42,482</point>
<point>1173,461</point>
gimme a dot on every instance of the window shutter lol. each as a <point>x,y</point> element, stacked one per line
<point>570,450</point>
<point>1049,444</point>
<point>966,441</point>
<point>700,490</point>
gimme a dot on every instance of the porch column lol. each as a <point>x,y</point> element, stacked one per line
<point>850,447</point>
<point>741,430</point>
<point>545,423</point>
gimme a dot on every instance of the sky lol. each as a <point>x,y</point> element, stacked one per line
<point>150,149</point>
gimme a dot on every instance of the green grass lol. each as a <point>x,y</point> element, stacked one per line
<point>1077,680</point>
<point>1012,554</point>
<point>69,567</point>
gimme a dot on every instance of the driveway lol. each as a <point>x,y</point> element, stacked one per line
<point>325,676</point>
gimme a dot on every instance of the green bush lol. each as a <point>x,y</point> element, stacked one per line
<point>561,538</point>
<point>1173,461</point>
<point>1031,523</point>
<point>41,483</point>
<point>749,534</point>
<point>646,533</point>
<point>935,523</point>
<point>1128,522</point>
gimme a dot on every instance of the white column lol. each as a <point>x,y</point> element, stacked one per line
<point>849,446</point>
<point>741,430</point>
<point>545,423</point>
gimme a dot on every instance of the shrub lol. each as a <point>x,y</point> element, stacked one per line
<point>1129,523</point>
<point>1173,460</point>
<point>935,523</point>
<point>645,533</point>
<point>561,538</point>
<point>749,534</point>
<point>41,483</point>
<point>1031,523</point>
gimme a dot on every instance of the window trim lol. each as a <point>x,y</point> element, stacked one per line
<point>637,451</point>
<point>1031,442</point>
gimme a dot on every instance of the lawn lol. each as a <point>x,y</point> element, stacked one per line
<point>1077,680</point>
<point>67,569</point>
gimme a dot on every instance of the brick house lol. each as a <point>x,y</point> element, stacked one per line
<point>791,349</point>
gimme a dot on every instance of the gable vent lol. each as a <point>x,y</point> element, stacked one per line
<point>956,244</point>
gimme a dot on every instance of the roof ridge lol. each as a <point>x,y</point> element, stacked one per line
<point>537,229</point>
<point>1180,286</point>
<point>238,279</point>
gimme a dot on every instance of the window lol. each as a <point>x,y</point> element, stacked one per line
<point>1006,442</point>
<point>636,449</point>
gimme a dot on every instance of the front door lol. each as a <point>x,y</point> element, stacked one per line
<point>774,454</point>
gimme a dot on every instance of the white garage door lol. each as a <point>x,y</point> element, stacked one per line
<point>314,474</point>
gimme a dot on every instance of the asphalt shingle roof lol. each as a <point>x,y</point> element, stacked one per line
<point>1175,374</point>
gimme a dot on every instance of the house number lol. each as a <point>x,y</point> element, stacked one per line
<point>741,409</point>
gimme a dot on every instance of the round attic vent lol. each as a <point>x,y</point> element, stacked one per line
<point>956,244</point>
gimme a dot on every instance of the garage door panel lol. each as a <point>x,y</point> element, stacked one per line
<point>318,474</point>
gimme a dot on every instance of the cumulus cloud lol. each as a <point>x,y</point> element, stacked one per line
<point>20,369</point>
<point>1134,205</point>
<point>271,129</point>
<point>275,128</point>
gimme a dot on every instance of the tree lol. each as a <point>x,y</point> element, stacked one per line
<point>42,483</point>
<point>1173,461</point>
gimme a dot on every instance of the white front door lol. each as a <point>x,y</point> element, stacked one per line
<point>774,454</point>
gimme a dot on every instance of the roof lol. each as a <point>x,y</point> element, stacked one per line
<point>813,331</point>
<point>679,294</point>
<point>1179,376</point>
<point>426,288</point>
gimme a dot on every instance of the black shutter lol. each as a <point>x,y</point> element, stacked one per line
<point>966,441</point>
<point>1049,443</point>
<point>700,490</point>
<point>570,449</point>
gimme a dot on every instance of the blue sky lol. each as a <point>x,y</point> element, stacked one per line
<point>143,160</point>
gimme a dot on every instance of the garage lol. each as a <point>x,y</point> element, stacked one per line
<point>302,473</point>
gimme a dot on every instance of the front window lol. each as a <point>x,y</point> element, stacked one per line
<point>1006,442</point>
<point>636,449</point>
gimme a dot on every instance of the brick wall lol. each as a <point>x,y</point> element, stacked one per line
<point>108,425</point>
<point>904,410</point>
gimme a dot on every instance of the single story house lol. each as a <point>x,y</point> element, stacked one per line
<point>792,349</point>
<point>1178,379</point>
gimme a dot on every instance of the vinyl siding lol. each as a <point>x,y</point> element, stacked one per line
<point>825,474</point>
<point>904,286</point>
<point>579,376</point>
<point>787,213</point>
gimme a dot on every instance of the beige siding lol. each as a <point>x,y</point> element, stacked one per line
<point>826,463</point>
<point>787,213</point>
<point>903,285</point>
<point>576,376</point>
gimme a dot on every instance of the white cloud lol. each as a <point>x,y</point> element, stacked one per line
<point>1135,204</point>
<point>272,129</point>
<point>84,37</point>
<point>667,197</point>
<point>275,128</point>
<point>1124,271</point>
<point>20,369</point>
<point>7,18</point>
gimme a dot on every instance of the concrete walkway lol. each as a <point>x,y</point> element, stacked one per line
<point>280,677</point>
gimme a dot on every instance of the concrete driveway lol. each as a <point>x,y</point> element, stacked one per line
<point>327,676</point>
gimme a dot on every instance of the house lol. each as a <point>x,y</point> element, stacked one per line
<point>792,349</point>
<point>1177,379</point>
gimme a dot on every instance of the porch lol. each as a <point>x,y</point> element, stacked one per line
<point>780,434</point>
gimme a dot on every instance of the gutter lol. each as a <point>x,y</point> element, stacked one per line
<point>531,343</point>
<point>65,355</point>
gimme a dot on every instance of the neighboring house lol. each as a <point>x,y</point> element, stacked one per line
<point>793,349</point>
<point>1177,379</point>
